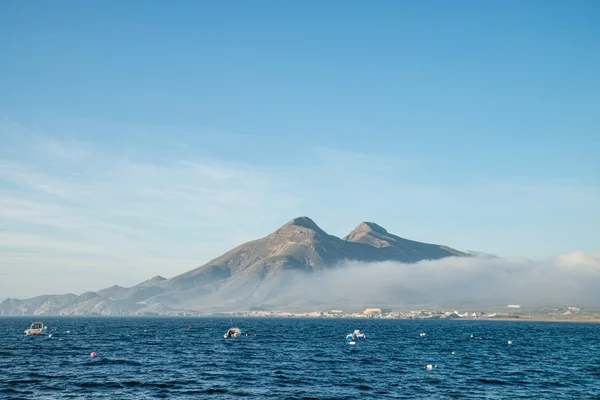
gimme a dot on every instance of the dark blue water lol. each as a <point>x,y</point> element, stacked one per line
<point>142,358</point>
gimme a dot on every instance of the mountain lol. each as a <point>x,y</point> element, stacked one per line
<point>254,274</point>
<point>392,247</point>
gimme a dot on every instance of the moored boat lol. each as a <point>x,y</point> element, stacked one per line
<point>356,335</point>
<point>36,329</point>
<point>232,333</point>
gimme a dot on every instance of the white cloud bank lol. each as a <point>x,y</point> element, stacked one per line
<point>572,278</point>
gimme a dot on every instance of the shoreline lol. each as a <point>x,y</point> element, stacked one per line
<point>594,320</point>
<point>542,319</point>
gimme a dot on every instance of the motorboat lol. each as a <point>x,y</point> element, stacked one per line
<point>36,329</point>
<point>356,335</point>
<point>232,333</point>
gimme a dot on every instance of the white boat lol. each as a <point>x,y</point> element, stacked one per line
<point>232,333</point>
<point>356,335</point>
<point>36,329</point>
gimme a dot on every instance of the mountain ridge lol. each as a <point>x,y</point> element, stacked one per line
<point>248,275</point>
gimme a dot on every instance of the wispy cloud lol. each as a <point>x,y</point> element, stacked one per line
<point>68,204</point>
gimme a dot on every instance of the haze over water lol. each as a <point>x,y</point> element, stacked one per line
<point>145,358</point>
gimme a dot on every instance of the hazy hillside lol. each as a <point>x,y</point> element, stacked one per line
<point>256,273</point>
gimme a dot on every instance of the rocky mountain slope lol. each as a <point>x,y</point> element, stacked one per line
<point>251,275</point>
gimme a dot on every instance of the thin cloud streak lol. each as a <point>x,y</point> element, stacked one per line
<point>105,213</point>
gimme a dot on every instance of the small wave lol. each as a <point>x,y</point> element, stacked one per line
<point>45,376</point>
<point>492,381</point>
<point>9,390</point>
<point>216,391</point>
<point>246,378</point>
<point>192,392</point>
<point>329,361</point>
<point>160,385</point>
<point>109,361</point>
<point>23,381</point>
<point>112,385</point>
<point>555,384</point>
<point>132,383</point>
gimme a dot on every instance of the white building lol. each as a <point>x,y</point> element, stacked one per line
<point>513,306</point>
<point>371,311</point>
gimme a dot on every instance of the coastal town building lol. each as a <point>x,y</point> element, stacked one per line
<point>371,311</point>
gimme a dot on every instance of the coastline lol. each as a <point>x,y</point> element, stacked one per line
<point>542,319</point>
<point>594,320</point>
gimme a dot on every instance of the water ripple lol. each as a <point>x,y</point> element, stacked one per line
<point>291,358</point>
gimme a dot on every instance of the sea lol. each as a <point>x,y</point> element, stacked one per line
<point>279,358</point>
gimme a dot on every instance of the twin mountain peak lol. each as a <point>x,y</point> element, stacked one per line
<point>302,245</point>
<point>255,273</point>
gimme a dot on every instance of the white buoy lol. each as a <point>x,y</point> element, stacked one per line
<point>422,334</point>
<point>429,367</point>
<point>510,342</point>
<point>351,342</point>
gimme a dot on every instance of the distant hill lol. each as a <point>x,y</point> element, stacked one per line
<point>388,247</point>
<point>250,275</point>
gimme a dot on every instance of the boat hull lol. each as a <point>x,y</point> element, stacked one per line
<point>354,338</point>
<point>232,333</point>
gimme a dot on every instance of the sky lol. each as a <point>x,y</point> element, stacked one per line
<point>146,138</point>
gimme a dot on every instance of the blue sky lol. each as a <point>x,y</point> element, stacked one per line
<point>145,138</point>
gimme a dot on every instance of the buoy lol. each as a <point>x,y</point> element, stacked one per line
<point>452,352</point>
<point>429,367</point>
<point>351,342</point>
<point>510,342</point>
<point>189,329</point>
<point>422,334</point>
<point>93,354</point>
